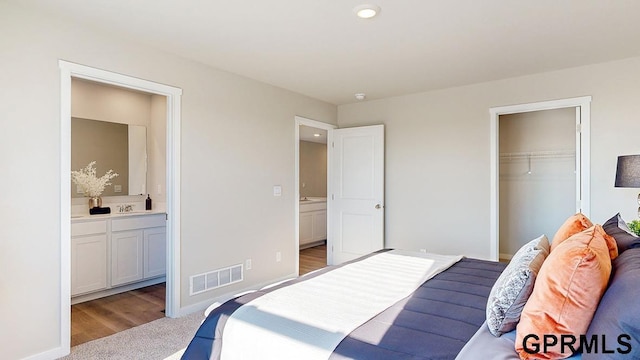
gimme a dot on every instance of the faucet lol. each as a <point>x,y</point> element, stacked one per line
<point>125,208</point>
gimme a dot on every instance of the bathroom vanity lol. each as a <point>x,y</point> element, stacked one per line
<point>116,253</point>
<point>313,221</point>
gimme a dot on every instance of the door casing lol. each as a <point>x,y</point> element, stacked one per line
<point>69,70</point>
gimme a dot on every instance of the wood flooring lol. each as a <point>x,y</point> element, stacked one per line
<point>106,316</point>
<point>313,258</point>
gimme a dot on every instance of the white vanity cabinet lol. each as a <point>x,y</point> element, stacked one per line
<point>88,257</point>
<point>116,253</point>
<point>137,248</point>
<point>313,222</point>
<point>126,257</point>
<point>154,253</point>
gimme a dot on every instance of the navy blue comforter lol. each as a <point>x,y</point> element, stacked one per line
<point>433,323</point>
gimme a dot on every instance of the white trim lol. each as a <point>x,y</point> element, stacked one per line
<point>584,104</point>
<point>65,212</point>
<point>65,224</point>
<point>504,256</point>
<point>116,290</point>
<point>299,120</point>
<point>173,95</point>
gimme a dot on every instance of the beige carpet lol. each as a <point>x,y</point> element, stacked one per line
<point>160,339</point>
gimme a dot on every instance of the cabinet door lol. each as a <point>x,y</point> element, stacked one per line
<point>126,256</point>
<point>319,225</point>
<point>88,263</point>
<point>306,228</point>
<point>155,252</point>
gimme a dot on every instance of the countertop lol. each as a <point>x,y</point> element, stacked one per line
<point>84,217</point>
<point>312,200</point>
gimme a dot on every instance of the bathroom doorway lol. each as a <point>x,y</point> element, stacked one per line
<point>171,116</point>
<point>124,131</point>
<point>312,166</point>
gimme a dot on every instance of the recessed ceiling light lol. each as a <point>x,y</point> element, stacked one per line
<point>366,11</point>
<point>316,135</point>
<point>360,96</point>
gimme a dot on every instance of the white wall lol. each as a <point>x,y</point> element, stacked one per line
<point>228,211</point>
<point>313,169</point>
<point>437,151</point>
<point>157,152</point>
<point>90,100</point>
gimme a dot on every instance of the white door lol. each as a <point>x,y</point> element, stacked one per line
<point>356,200</point>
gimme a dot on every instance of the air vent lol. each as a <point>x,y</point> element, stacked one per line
<point>215,279</point>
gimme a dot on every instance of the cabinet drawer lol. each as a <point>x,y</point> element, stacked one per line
<point>138,222</point>
<point>88,228</point>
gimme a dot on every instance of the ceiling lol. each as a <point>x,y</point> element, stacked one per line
<point>308,133</point>
<point>319,48</point>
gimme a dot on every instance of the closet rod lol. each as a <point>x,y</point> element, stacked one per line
<point>554,154</point>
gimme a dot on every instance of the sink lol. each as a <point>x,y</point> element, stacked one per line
<point>130,212</point>
<point>77,216</point>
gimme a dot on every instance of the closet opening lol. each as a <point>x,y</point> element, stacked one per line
<point>537,175</point>
<point>539,170</point>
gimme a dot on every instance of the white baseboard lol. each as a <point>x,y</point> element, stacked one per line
<point>116,290</point>
<point>505,256</point>
<point>54,353</point>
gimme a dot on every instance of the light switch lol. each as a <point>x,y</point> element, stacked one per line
<point>117,188</point>
<point>277,190</point>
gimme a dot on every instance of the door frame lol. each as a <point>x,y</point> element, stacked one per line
<point>583,159</point>
<point>69,70</point>
<point>299,120</point>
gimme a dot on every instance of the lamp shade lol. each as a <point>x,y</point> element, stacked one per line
<point>628,171</point>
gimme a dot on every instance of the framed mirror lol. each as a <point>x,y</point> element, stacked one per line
<point>120,147</point>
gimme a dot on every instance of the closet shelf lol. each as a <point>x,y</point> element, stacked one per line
<point>556,154</point>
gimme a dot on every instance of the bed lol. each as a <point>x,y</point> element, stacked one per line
<point>450,314</point>
<point>433,322</point>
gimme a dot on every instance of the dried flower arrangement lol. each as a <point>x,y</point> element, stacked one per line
<point>91,185</point>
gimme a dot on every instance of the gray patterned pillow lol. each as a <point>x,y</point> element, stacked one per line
<point>514,286</point>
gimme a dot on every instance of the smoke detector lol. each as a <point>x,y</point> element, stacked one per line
<point>360,96</point>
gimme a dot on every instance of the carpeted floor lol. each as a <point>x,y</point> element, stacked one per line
<point>157,340</point>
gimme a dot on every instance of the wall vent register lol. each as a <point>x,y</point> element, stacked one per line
<point>215,279</point>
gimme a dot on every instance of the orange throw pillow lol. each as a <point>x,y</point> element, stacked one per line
<point>573,225</point>
<point>566,294</point>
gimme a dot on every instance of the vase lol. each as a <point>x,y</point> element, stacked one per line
<point>95,201</point>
